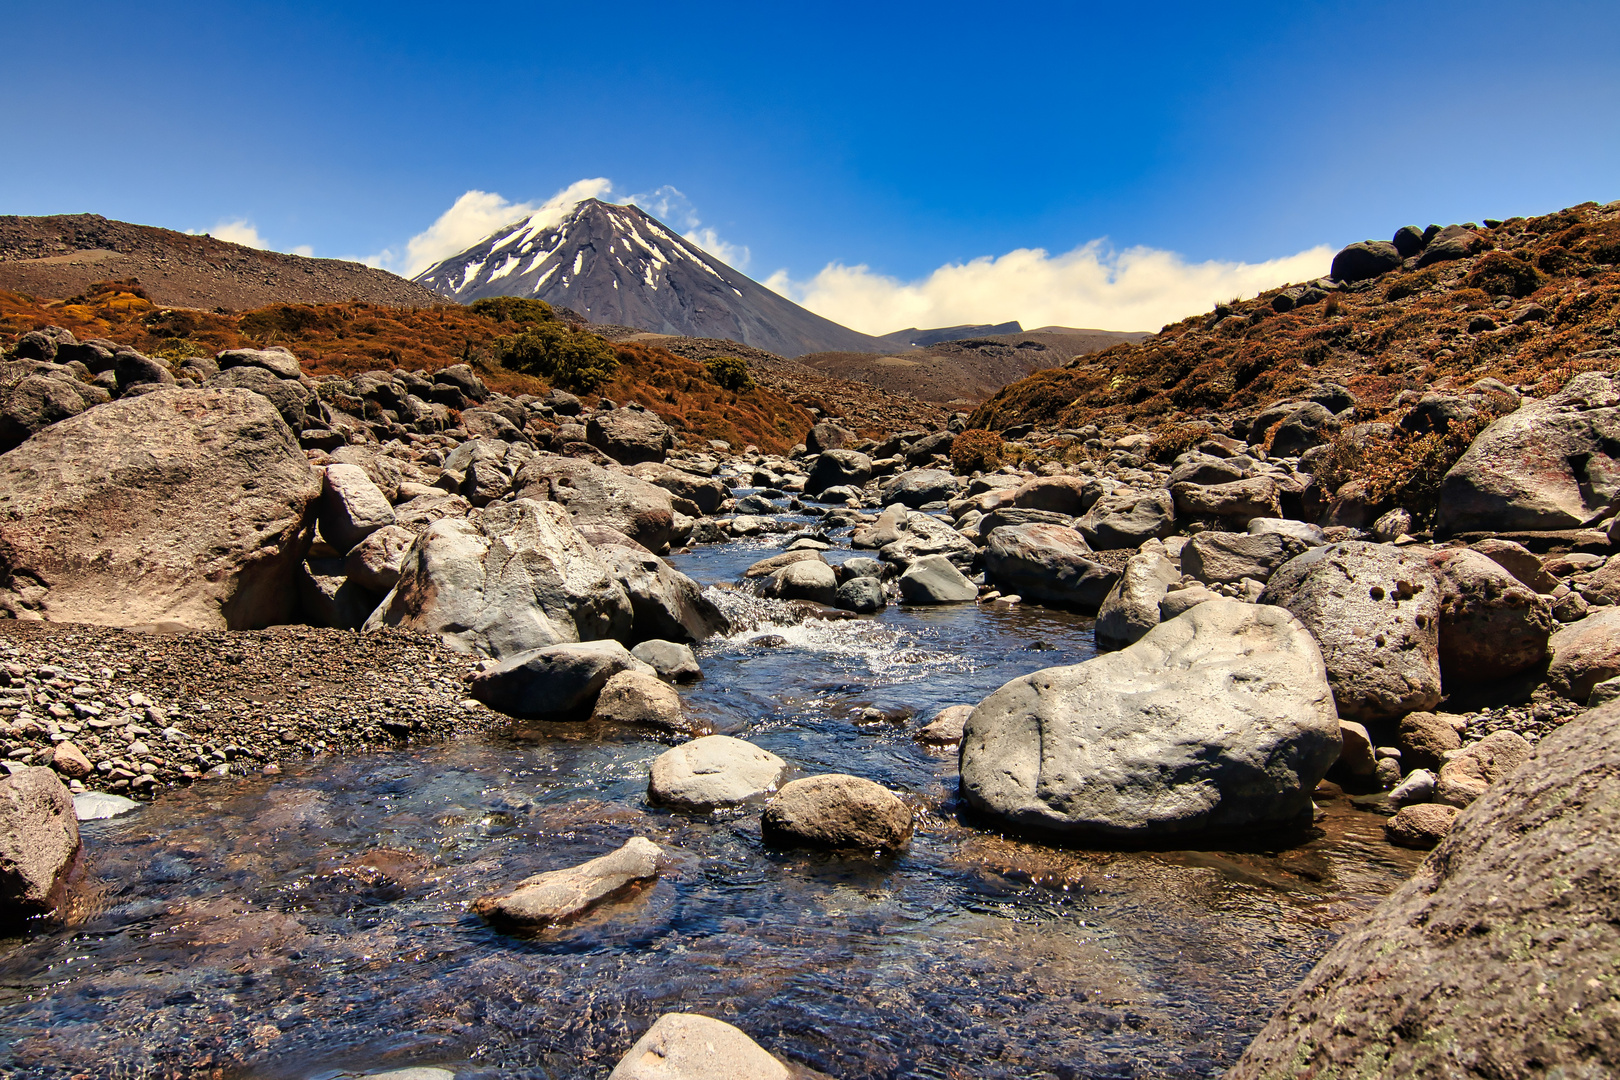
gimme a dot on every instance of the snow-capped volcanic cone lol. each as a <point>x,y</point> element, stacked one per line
<point>617,264</point>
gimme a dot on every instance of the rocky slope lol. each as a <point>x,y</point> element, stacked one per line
<point>64,255</point>
<point>618,265</point>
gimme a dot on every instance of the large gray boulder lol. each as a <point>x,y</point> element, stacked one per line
<point>1239,501</point>
<point>686,1046</point>
<point>1049,563</point>
<point>351,507</point>
<point>179,506</point>
<point>667,604</point>
<point>374,562</point>
<point>1218,721</point>
<point>1375,611</point>
<point>1131,607</point>
<point>1228,558</point>
<point>559,896</point>
<point>596,495</point>
<point>276,360</point>
<point>39,840</point>
<point>629,436</point>
<point>704,492</point>
<point>918,535</point>
<point>934,579</point>
<point>1069,495</point>
<point>1125,519</point>
<point>837,468</point>
<point>918,487</point>
<point>560,682</point>
<point>292,399</point>
<point>715,770</point>
<point>1496,958</point>
<point>518,578</point>
<point>1491,624</point>
<point>1547,465</point>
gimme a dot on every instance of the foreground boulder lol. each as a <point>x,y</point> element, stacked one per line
<point>183,506</point>
<point>1496,959</point>
<point>39,839</point>
<point>559,896</point>
<point>1049,563</point>
<point>561,682</point>
<point>1220,720</point>
<point>1375,611</point>
<point>519,578</point>
<point>1548,465</point>
<point>716,770</point>
<point>838,811</point>
<point>685,1046</point>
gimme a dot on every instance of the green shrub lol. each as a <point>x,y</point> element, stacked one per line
<point>565,357</point>
<point>731,373</point>
<point>518,309</point>
<point>975,451</point>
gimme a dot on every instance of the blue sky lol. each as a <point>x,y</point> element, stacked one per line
<point>896,137</point>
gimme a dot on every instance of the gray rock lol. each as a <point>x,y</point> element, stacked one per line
<point>807,580</point>
<point>1204,469</point>
<point>1585,654</point>
<point>629,436</point>
<point>183,506</point>
<point>828,436</point>
<point>919,487</point>
<point>1220,720</point>
<point>1375,611</point>
<point>685,1046</point>
<point>1125,519</point>
<point>860,567</point>
<point>673,661</point>
<point>560,682</point>
<point>945,729</point>
<point>1308,534</point>
<point>1131,608</point>
<point>838,468</point>
<point>39,841</point>
<point>373,563</point>
<point>644,699</point>
<point>1227,558</point>
<point>32,404</point>
<point>704,492</point>
<point>132,369</point>
<point>596,495</point>
<point>770,565</point>
<point>715,770</point>
<point>1491,960</point>
<point>1239,501</point>
<point>277,361</point>
<point>1180,601</point>
<point>100,805</point>
<point>838,811</point>
<point>560,896</point>
<point>1604,692</point>
<point>1467,773</point>
<point>351,507</point>
<point>933,579</point>
<point>919,535</point>
<point>1417,787</point>
<point>667,604</point>
<point>1545,466</point>
<point>862,595</point>
<point>1491,625</point>
<point>1048,563</point>
<point>519,578</point>
<point>290,399</point>
<point>327,597</point>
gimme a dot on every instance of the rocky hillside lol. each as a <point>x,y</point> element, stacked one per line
<point>1524,301</point>
<point>619,265</point>
<point>64,255</point>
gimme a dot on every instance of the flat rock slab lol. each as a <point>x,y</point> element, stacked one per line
<point>560,896</point>
<point>713,771</point>
<point>100,805</point>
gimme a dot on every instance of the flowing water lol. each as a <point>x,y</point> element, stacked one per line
<point>313,925</point>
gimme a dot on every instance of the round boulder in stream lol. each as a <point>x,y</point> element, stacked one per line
<point>835,810</point>
<point>1217,721</point>
<point>716,770</point>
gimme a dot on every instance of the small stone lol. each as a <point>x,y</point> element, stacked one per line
<point>70,761</point>
<point>1418,787</point>
<point>634,697</point>
<point>946,726</point>
<point>839,811</point>
<point>561,895</point>
<point>685,1046</point>
<point>1421,825</point>
<point>715,770</point>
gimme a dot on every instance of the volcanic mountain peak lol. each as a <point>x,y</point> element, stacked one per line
<point>619,265</point>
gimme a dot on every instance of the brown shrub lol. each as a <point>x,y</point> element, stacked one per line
<point>1172,440</point>
<point>975,451</point>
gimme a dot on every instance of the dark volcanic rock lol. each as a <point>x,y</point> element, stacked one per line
<point>1496,959</point>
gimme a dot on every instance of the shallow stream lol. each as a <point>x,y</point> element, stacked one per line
<point>312,925</point>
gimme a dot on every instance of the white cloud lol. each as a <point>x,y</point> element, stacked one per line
<point>1092,286</point>
<point>476,215</point>
<point>241,231</point>
<point>671,206</point>
<point>303,249</point>
<point>733,255</point>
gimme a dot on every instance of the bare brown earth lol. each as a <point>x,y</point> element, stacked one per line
<point>63,255</point>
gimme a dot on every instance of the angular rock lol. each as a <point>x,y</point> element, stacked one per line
<point>827,436</point>
<point>1491,625</point>
<point>373,563</point>
<point>184,506</point>
<point>1356,751</point>
<point>1048,563</point>
<point>945,729</point>
<point>629,436</point>
<point>596,495</point>
<point>862,595</point>
<point>351,507</point>
<point>291,399</point>
<point>1471,770</point>
<point>1071,495</point>
<point>277,361</point>
<point>933,579</point>
<point>837,468</point>
<point>326,596</point>
<point>1240,500</point>
<point>560,896</point>
<point>1585,654</point>
<point>1228,558</point>
<point>666,603</point>
<point>640,697</point>
<point>1493,959</point>
<point>70,761</point>
<point>919,487</point>
<point>673,661</point>
<point>1375,611</point>
<point>560,682</point>
<point>838,811</point>
<point>686,1046</point>
<point>920,535</point>
<point>1425,738</point>
<point>1418,787</point>
<point>1131,607</point>
<point>1127,518</point>
<point>1545,466</point>
<point>1421,825</point>
<point>1519,561</point>
<point>519,578</point>
<point>39,839</point>
<point>704,492</point>
<point>1220,720</point>
<point>715,770</point>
